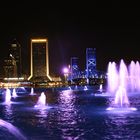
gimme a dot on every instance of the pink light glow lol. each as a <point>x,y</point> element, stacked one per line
<point>8,96</point>
<point>65,70</point>
<point>122,80</point>
<point>41,101</point>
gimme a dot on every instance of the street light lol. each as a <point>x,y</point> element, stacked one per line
<point>66,73</point>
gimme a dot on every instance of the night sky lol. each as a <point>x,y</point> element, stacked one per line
<point>113,31</point>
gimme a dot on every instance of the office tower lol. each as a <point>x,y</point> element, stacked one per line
<point>90,62</point>
<point>39,60</point>
<point>10,67</point>
<point>15,53</point>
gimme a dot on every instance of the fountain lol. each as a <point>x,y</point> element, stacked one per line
<point>100,88</point>
<point>14,94</point>
<point>69,88</point>
<point>20,90</point>
<point>121,98</point>
<point>118,83</point>
<point>32,91</point>
<point>7,96</point>
<point>76,87</point>
<point>41,103</point>
<point>85,88</point>
<point>12,129</point>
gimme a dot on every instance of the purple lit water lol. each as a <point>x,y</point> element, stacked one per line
<point>85,88</point>
<point>121,98</point>
<point>122,80</point>
<point>7,96</point>
<point>32,91</point>
<point>41,101</point>
<point>14,94</point>
<point>73,115</point>
<point>112,79</point>
<point>134,70</point>
<point>12,130</point>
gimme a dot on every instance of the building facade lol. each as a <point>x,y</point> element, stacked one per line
<point>15,53</point>
<point>39,60</point>
<point>10,68</point>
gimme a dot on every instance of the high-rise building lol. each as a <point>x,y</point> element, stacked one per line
<point>15,53</point>
<point>90,62</point>
<point>10,67</point>
<point>74,67</point>
<point>39,60</point>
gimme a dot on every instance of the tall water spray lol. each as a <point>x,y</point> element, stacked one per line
<point>112,79</point>
<point>14,94</point>
<point>8,96</point>
<point>41,101</point>
<point>122,79</point>
<point>32,91</point>
<point>12,130</point>
<point>134,74</point>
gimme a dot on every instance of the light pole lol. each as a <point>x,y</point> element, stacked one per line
<point>66,73</point>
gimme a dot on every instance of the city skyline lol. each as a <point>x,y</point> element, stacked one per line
<point>113,32</point>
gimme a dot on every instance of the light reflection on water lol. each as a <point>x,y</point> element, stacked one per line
<point>68,113</point>
<point>8,111</point>
<point>123,126</point>
<point>72,115</point>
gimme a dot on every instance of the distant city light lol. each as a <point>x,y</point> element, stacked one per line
<point>65,70</point>
<point>14,78</point>
<point>39,40</point>
<point>11,55</point>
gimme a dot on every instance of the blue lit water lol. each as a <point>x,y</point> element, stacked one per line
<point>69,115</point>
